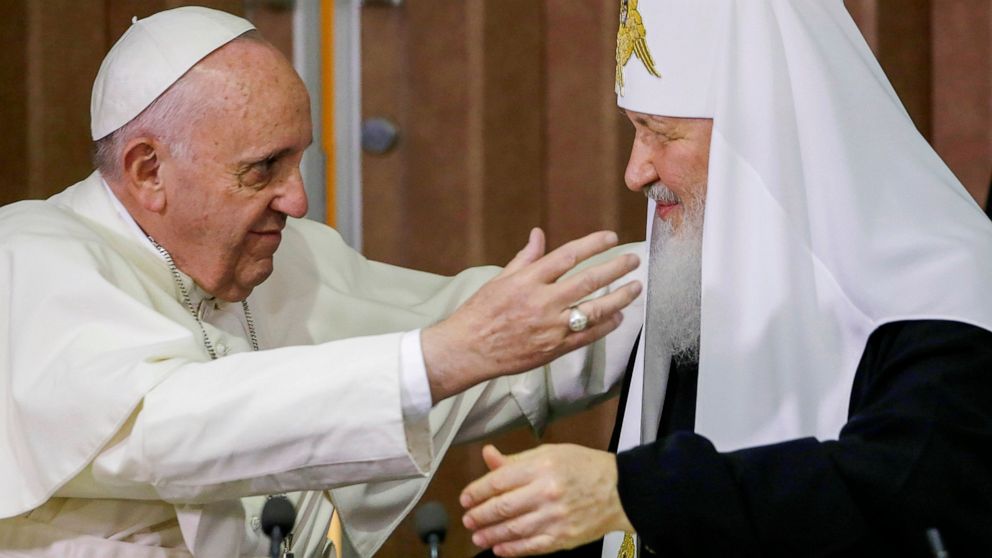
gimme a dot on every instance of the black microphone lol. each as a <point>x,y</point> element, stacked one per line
<point>278,518</point>
<point>431,522</point>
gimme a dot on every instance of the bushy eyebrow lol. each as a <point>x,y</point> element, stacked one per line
<point>267,157</point>
<point>663,126</point>
<point>272,155</point>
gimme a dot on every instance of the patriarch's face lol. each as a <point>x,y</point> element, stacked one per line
<point>669,162</point>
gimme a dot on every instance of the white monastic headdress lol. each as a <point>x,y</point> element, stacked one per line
<point>152,55</point>
<point>827,213</point>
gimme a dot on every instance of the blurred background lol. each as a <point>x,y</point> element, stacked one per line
<point>446,129</point>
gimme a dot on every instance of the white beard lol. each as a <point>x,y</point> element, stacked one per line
<point>675,283</point>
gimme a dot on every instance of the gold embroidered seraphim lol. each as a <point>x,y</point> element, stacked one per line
<point>631,39</point>
<point>627,549</point>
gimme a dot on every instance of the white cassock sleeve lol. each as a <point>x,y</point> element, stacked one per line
<point>211,431</point>
<point>415,388</point>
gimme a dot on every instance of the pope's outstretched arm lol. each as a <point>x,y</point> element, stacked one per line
<point>238,405</point>
<point>189,429</point>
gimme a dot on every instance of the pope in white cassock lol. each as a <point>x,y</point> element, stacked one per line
<point>177,340</point>
<point>815,373</point>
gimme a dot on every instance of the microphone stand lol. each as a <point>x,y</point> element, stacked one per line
<point>431,523</point>
<point>434,544</point>
<point>276,541</point>
<point>936,543</point>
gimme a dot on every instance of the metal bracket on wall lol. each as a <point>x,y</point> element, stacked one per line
<point>382,3</point>
<point>379,136</point>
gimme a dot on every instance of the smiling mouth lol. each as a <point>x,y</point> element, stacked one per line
<point>664,210</point>
<point>665,200</point>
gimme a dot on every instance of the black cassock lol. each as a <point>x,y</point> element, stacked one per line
<point>915,453</point>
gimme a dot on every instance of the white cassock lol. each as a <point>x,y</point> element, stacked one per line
<point>120,437</point>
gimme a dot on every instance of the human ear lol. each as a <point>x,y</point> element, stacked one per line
<point>142,173</point>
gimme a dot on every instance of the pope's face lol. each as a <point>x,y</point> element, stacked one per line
<point>672,152</point>
<point>228,200</point>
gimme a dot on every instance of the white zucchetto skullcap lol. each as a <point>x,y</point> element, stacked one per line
<point>152,55</point>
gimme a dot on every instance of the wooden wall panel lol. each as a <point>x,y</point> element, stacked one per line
<point>587,137</point>
<point>443,144</point>
<point>13,101</point>
<point>383,198</point>
<point>463,186</point>
<point>511,137</point>
<point>274,20</point>
<point>904,51</point>
<point>60,72</point>
<point>962,90</point>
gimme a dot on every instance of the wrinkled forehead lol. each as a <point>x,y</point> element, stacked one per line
<point>253,97</point>
<point>667,53</point>
<point>662,120</point>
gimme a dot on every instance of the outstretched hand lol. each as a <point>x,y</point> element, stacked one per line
<point>549,498</point>
<point>519,319</point>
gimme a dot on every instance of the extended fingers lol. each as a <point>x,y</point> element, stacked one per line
<point>504,479</point>
<point>604,315</point>
<point>558,261</point>
<point>499,509</point>
<point>599,309</point>
<point>590,280</point>
<point>521,527</point>
<point>538,544</point>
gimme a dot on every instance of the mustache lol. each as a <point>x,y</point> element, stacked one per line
<point>661,194</point>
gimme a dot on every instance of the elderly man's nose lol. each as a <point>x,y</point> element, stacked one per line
<point>640,171</point>
<point>293,199</point>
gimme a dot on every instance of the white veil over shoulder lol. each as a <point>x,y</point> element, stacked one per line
<point>827,213</point>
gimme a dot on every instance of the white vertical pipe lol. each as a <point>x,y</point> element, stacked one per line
<point>347,119</point>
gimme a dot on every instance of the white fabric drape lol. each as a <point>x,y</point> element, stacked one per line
<point>827,213</point>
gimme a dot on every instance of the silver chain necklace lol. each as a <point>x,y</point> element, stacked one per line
<point>188,302</point>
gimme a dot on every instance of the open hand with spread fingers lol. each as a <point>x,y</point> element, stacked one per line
<point>529,314</point>
<point>552,497</point>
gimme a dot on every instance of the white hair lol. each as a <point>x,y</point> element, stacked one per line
<point>675,280</point>
<point>170,118</point>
